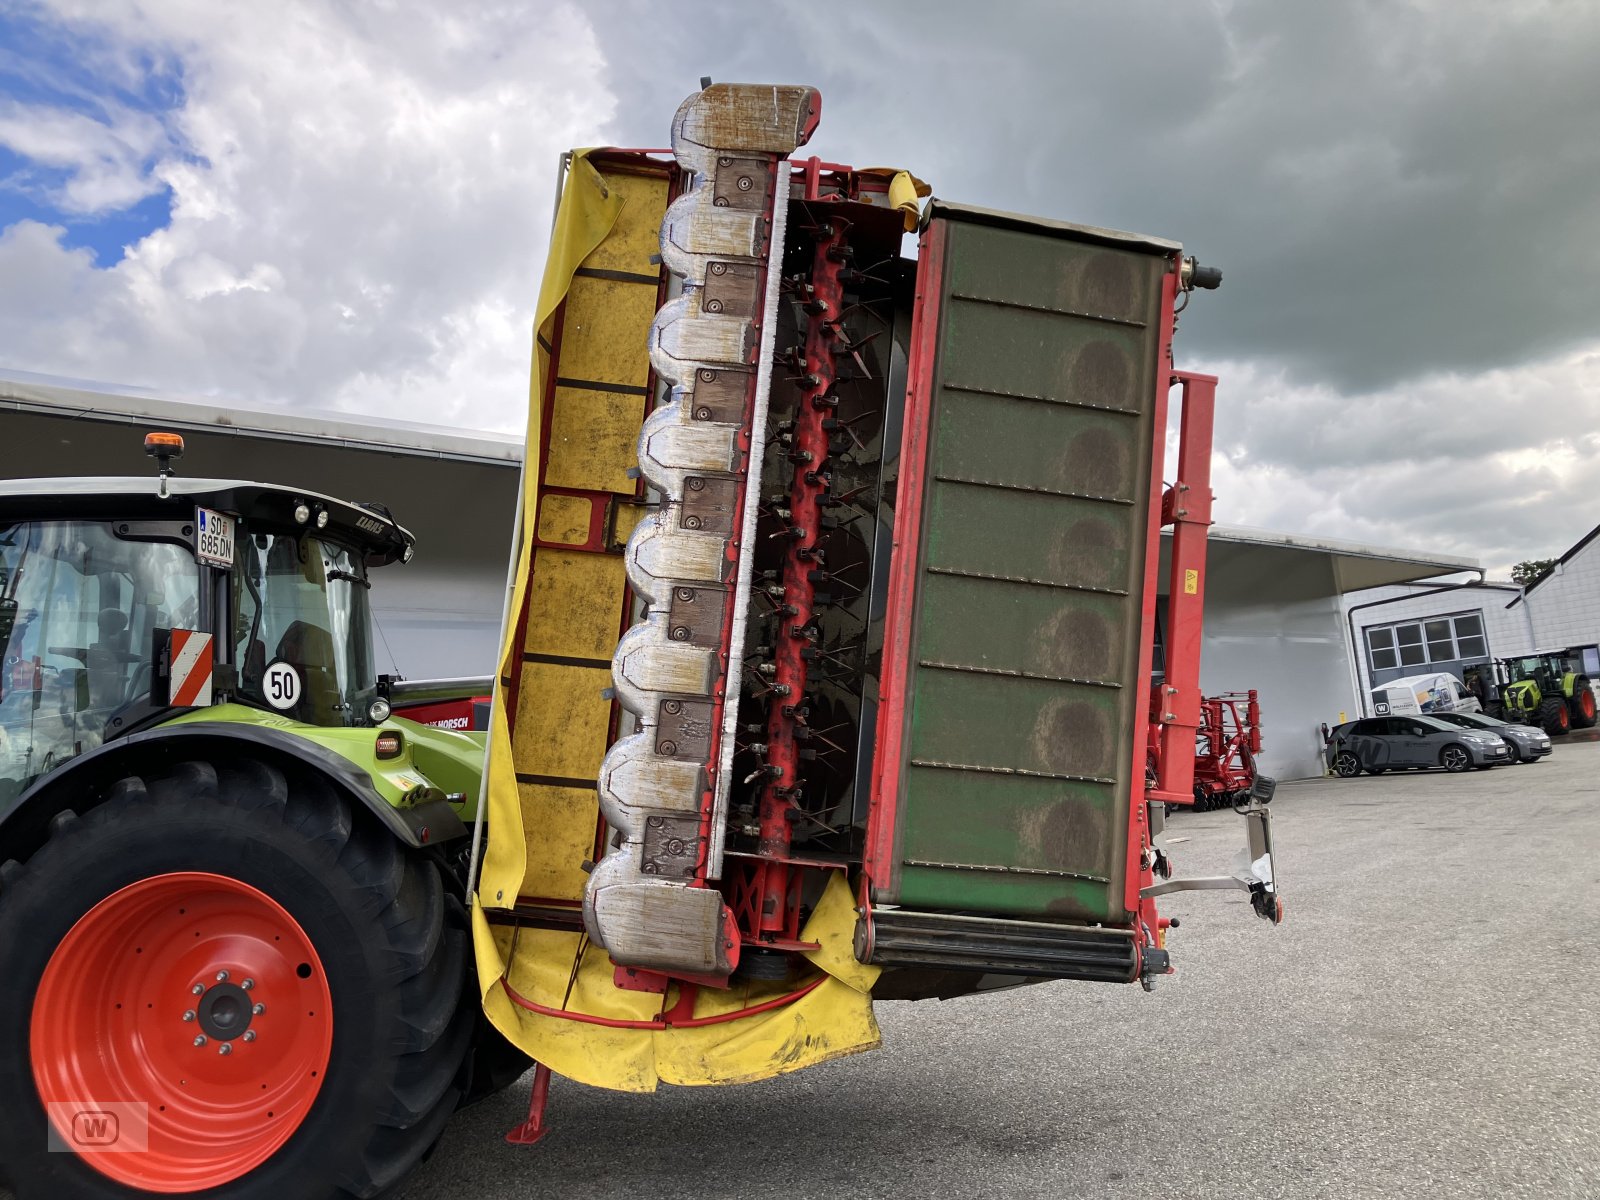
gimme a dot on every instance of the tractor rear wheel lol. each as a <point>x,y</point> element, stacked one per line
<point>1554,717</point>
<point>1582,706</point>
<point>273,984</point>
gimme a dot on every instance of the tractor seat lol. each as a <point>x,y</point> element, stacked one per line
<point>309,649</point>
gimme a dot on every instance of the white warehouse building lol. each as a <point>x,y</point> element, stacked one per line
<point>1273,614</point>
<point>1413,628</point>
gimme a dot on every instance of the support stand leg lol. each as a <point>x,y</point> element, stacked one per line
<point>531,1130</point>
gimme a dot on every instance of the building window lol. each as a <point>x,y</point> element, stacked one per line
<point>1381,643</point>
<point>1409,639</point>
<point>1470,642</point>
<point>1420,643</point>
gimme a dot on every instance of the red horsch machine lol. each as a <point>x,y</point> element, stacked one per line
<point>1226,746</point>
<point>1226,749</point>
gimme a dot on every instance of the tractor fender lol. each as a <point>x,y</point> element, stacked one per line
<point>85,781</point>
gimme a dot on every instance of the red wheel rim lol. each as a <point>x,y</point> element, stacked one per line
<point>1586,702</point>
<point>1564,719</point>
<point>133,987</point>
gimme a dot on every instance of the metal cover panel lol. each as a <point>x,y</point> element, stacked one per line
<point>1014,789</point>
<point>1041,227</point>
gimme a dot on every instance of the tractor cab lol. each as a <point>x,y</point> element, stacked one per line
<point>125,599</point>
<point>1546,668</point>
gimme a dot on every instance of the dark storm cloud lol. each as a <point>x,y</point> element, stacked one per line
<point>1404,197</point>
<point>1391,188</point>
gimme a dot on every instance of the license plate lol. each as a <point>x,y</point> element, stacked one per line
<point>213,542</point>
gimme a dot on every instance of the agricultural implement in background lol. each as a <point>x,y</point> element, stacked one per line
<point>1225,748</point>
<point>825,681</point>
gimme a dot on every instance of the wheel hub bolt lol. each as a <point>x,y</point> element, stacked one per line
<point>189,1016</point>
<point>257,1009</point>
<point>222,977</point>
<point>200,1040</point>
<point>249,1035</point>
<point>225,1048</point>
<point>248,984</point>
<point>198,989</point>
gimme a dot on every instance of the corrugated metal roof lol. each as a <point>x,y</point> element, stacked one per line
<point>22,391</point>
<point>1357,566</point>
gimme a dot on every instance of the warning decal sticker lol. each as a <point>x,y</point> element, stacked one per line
<point>191,659</point>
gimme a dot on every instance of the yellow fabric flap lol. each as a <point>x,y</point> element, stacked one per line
<point>905,190</point>
<point>830,1021</point>
<point>584,217</point>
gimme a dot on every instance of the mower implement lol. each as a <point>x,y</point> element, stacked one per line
<point>826,676</point>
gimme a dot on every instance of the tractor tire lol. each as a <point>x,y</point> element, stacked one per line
<point>496,1064</point>
<point>1554,716</point>
<point>282,986</point>
<point>1455,759</point>
<point>1346,764</point>
<point>1582,705</point>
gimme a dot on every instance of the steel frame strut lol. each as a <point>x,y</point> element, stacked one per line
<point>1186,506</point>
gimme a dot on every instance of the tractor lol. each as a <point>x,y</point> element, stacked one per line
<point>1547,688</point>
<point>230,879</point>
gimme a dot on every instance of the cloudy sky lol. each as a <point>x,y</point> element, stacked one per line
<point>342,204</point>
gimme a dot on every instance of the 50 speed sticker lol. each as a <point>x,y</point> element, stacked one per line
<point>281,684</point>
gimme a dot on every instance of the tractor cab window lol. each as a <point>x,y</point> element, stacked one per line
<point>301,603</point>
<point>79,609</point>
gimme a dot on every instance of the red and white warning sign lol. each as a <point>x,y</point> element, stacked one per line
<point>190,655</point>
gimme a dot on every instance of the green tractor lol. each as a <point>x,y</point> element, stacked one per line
<point>1546,688</point>
<point>231,928</point>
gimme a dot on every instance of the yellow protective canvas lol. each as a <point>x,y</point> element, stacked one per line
<point>550,991</point>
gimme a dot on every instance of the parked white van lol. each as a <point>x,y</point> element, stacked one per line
<point>1417,694</point>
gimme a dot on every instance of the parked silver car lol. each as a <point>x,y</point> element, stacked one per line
<point>1379,744</point>
<point>1526,743</point>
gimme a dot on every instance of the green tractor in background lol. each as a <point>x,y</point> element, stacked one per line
<point>1547,688</point>
<point>231,922</point>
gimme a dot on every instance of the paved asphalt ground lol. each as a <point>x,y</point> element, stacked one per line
<point>1425,1024</point>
